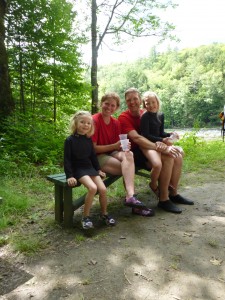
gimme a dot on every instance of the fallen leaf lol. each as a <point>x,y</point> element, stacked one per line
<point>92,262</point>
<point>187,234</point>
<point>216,262</point>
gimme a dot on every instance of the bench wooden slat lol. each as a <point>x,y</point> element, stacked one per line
<point>59,179</point>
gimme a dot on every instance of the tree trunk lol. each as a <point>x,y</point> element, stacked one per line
<point>94,63</point>
<point>6,101</point>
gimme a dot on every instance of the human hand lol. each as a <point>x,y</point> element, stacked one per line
<point>168,141</point>
<point>160,147</point>
<point>72,181</point>
<point>101,174</point>
<point>118,146</point>
<point>172,151</point>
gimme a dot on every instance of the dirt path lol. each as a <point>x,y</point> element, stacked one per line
<point>160,258</point>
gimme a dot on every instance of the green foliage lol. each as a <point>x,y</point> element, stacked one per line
<point>27,141</point>
<point>200,155</point>
<point>45,65</point>
<point>190,83</point>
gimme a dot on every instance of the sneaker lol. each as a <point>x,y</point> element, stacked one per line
<point>108,220</point>
<point>87,223</point>
<point>134,202</point>
<point>181,200</point>
<point>169,206</point>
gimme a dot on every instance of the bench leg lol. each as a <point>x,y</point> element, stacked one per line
<point>58,203</point>
<point>68,207</point>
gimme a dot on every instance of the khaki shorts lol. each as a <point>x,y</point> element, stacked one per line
<point>103,158</point>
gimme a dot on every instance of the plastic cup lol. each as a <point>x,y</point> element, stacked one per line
<point>123,136</point>
<point>174,137</point>
<point>124,144</point>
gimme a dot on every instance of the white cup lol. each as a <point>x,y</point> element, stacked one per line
<point>124,144</point>
<point>123,136</point>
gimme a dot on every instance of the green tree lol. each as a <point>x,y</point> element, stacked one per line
<point>44,59</point>
<point>123,19</point>
<point>6,100</point>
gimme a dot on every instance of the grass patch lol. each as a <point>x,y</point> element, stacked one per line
<point>28,244</point>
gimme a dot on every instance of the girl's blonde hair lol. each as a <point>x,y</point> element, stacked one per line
<point>74,120</point>
<point>150,94</point>
<point>110,96</point>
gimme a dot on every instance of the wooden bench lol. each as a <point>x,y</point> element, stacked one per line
<point>65,205</point>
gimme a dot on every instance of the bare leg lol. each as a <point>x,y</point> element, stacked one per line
<point>112,166</point>
<point>154,159</point>
<point>176,173</point>
<point>102,193</point>
<point>165,177</point>
<point>122,163</point>
<point>92,190</point>
<point>128,170</point>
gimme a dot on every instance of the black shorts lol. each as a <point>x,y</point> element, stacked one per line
<point>140,160</point>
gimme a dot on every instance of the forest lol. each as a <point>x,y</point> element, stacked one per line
<point>49,81</point>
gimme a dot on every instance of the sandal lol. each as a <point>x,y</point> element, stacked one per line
<point>108,220</point>
<point>147,212</point>
<point>134,203</point>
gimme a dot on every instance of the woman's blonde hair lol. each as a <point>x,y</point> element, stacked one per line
<point>74,120</point>
<point>150,94</point>
<point>113,96</point>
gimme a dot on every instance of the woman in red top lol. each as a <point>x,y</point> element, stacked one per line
<point>108,147</point>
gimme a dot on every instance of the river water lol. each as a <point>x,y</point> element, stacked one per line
<point>206,133</point>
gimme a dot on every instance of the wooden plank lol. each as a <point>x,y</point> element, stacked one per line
<point>58,203</point>
<point>68,207</point>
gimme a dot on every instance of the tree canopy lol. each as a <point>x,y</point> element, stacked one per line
<point>190,82</point>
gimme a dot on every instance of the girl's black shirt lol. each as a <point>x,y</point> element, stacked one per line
<point>80,158</point>
<point>152,126</point>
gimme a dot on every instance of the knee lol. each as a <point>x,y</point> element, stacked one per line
<point>157,165</point>
<point>102,190</point>
<point>178,160</point>
<point>129,155</point>
<point>92,189</point>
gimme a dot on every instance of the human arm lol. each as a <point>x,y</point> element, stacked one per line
<point>144,143</point>
<point>68,163</point>
<point>107,148</point>
<point>68,158</point>
<point>94,158</point>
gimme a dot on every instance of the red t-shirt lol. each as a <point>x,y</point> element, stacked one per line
<point>129,122</point>
<point>105,134</point>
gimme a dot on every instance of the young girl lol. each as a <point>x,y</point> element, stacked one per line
<point>81,164</point>
<point>152,127</point>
